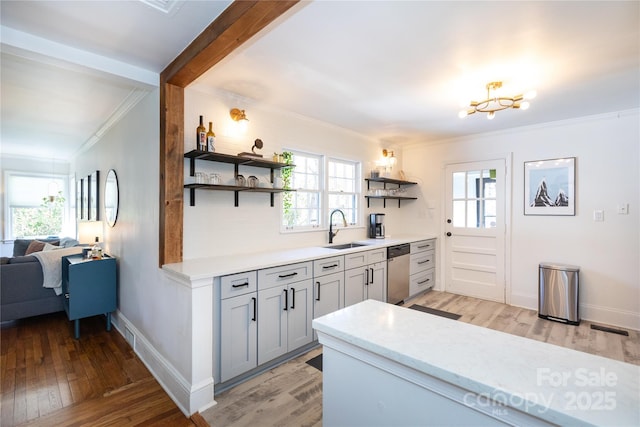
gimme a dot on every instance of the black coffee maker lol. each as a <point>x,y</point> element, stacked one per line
<point>376,226</point>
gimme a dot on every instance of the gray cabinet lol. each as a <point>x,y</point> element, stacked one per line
<point>366,276</point>
<point>238,324</point>
<point>284,310</point>
<point>422,266</point>
<point>328,283</point>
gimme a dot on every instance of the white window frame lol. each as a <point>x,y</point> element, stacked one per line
<point>356,194</point>
<point>8,219</point>
<point>324,209</point>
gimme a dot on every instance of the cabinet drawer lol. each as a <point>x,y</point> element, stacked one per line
<point>324,266</point>
<point>421,261</point>
<point>359,259</point>
<point>238,284</point>
<point>420,282</point>
<point>284,274</point>
<point>423,245</point>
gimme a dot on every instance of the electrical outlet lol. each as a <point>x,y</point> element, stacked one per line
<point>598,216</point>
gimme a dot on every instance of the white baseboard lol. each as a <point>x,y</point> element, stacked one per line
<point>190,398</point>
<point>590,312</point>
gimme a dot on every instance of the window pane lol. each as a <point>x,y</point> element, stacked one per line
<point>489,214</point>
<point>473,187</point>
<point>472,214</point>
<point>458,185</point>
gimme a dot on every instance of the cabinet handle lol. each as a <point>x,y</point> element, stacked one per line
<point>366,280</point>
<point>284,276</point>
<point>423,282</point>
<point>424,262</point>
<point>286,299</point>
<point>318,297</point>
<point>240,285</point>
<point>293,298</point>
<point>255,308</point>
<point>371,275</point>
<point>329,266</point>
<point>422,247</point>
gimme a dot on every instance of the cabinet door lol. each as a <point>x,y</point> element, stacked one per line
<point>328,294</point>
<point>377,288</point>
<point>355,282</point>
<point>239,335</point>
<point>272,323</point>
<point>300,316</point>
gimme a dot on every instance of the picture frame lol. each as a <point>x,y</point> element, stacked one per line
<point>549,187</point>
<point>85,199</point>
<point>94,196</point>
<point>80,199</point>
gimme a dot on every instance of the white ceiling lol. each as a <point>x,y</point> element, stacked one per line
<point>394,71</point>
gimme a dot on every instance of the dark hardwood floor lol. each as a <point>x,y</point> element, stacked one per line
<point>48,378</point>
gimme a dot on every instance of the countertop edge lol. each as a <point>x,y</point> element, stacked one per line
<point>209,267</point>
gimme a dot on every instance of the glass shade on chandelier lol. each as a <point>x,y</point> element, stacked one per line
<point>495,102</point>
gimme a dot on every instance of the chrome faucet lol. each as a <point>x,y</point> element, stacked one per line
<point>344,220</point>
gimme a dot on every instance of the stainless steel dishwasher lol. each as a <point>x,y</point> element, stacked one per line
<point>397,273</point>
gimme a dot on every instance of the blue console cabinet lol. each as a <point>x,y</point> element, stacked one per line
<point>89,287</point>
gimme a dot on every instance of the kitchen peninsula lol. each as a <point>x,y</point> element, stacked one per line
<point>230,295</point>
<point>390,365</point>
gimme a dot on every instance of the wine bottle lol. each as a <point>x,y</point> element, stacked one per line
<point>96,250</point>
<point>211,138</point>
<point>201,137</point>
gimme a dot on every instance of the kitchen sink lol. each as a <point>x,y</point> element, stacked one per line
<point>346,246</point>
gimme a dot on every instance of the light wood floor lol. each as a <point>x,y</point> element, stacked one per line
<point>50,379</point>
<point>291,394</point>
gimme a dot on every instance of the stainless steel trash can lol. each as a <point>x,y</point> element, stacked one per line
<point>558,292</point>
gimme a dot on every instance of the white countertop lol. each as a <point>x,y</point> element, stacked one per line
<point>554,383</point>
<point>203,268</point>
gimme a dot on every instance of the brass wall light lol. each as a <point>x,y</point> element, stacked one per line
<point>389,158</point>
<point>240,117</point>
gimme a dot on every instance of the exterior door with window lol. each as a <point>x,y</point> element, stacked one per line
<point>475,229</point>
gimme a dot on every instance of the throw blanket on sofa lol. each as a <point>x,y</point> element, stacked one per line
<point>51,262</point>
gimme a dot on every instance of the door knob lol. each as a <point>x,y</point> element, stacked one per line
<point>449,221</point>
<point>448,234</point>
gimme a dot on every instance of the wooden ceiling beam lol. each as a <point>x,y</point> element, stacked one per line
<point>235,25</point>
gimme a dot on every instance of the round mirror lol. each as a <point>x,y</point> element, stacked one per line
<point>111,198</point>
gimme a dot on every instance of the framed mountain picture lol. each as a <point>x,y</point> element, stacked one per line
<point>549,187</point>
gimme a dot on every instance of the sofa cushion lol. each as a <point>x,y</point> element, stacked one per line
<point>20,245</point>
<point>23,259</point>
<point>35,246</point>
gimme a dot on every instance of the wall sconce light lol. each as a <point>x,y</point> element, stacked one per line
<point>389,158</point>
<point>240,118</point>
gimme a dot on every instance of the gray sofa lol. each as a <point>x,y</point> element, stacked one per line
<point>21,291</point>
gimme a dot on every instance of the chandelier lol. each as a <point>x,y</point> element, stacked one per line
<point>497,103</point>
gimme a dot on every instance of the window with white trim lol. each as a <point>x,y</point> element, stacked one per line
<point>321,185</point>
<point>30,212</point>
<point>343,189</point>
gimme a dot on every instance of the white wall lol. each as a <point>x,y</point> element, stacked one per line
<point>607,163</point>
<point>156,309</point>
<point>214,226</point>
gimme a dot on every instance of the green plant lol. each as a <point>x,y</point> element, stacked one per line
<point>44,220</point>
<point>287,198</point>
